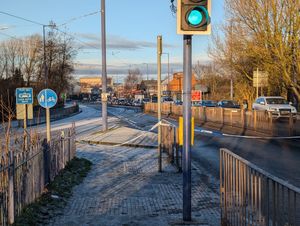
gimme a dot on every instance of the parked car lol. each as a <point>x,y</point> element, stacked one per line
<point>146,100</point>
<point>204,103</point>
<point>228,104</point>
<point>276,105</point>
<point>166,99</point>
<point>177,102</point>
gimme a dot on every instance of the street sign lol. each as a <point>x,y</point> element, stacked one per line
<point>260,79</point>
<point>23,113</point>
<point>196,95</point>
<point>47,98</point>
<point>24,95</point>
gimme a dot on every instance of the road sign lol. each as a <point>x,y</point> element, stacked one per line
<point>260,79</point>
<point>24,95</point>
<point>22,113</point>
<point>196,95</point>
<point>47,98</point>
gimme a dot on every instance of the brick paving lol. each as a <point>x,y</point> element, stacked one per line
<point>124,188</point>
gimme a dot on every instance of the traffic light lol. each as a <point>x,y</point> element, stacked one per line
<point>193,17</point>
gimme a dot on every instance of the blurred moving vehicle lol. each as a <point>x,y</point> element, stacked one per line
<point>276,105</point>
<point>228,104</point>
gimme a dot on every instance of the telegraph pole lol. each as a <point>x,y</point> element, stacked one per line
<point>48,125</point>
<point>159,53</point>
<point>104,73</point>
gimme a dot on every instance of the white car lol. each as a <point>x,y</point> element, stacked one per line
<point>276,105</point>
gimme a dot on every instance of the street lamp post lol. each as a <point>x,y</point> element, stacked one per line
<point>147,71</point>
<point>168,66</point>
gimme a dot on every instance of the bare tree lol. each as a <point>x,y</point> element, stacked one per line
<point>262,34</point>
<point>132,80</point>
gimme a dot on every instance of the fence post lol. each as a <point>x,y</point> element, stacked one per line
<point>291,125</point>
<point>11,201</point>
<point>62,140</point>
<point>271,128</point>
<point>242,112</point>
<point>204,114</point>
<point>231,118</point>
<point>69,144</point>
<point>46,155</point>
<point>255,119</point>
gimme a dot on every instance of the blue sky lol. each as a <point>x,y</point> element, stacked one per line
<point>132,27</point>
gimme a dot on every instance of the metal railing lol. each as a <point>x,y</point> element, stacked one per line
<point>251,196</point>
<point>28,166</point>
<point>169,144</point>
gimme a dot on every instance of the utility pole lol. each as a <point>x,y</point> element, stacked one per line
<point>48,125</point>
<point>186,155</point>
<point>104,73</point>
<point>159,53</point>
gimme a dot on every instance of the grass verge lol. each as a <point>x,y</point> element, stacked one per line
<point>52,202</point>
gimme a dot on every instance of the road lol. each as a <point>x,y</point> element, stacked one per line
<point>278,157</point>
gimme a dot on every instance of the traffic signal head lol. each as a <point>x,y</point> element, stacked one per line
<point>193,17</point>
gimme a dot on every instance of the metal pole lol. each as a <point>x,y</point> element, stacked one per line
<point>159,52</point>
<point>168,69</point>
<point>147,73</point>
<point>48,126</point>
<point>257,83</point>
<point>104,73</point>
<point>186,155</point>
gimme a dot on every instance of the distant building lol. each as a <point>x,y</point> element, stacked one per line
<point>90,85</point>
<point>148,87</point>
<point>175,86</point>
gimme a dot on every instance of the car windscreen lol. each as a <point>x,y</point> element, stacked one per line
<point>276,101</point>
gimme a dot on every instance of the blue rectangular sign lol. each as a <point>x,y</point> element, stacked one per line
<point>24,96</point>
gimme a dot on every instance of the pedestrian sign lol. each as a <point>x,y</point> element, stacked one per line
<point>24,95</point>
<point>47,98</point>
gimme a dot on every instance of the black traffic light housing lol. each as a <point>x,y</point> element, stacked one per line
<point>193,17</point>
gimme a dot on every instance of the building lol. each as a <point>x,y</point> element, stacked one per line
<point>149,87</point>
<point>175,86</point>
<point>89,85</point>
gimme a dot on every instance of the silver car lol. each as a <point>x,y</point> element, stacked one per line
<point>276,105</point>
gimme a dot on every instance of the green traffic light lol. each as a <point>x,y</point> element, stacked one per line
<point>195,17</point>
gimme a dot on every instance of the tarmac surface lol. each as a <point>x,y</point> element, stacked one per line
<point>125,188</point>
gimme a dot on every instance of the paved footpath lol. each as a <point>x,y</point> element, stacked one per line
<point>124,188</point>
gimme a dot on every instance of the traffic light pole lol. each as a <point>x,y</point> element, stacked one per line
<point>186,155</point>
<point>104,73</point>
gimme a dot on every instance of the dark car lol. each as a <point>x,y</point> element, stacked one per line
<point>228,104</point>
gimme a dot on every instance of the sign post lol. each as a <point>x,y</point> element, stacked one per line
<point>24,99</point>
<point>47,98</point>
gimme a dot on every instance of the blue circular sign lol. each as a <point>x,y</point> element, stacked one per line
<point>47,98</point>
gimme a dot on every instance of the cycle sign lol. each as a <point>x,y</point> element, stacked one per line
<point>24,95</point>
<point>47,98</point>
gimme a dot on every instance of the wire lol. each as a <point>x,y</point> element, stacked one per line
<point>22,18</point>
<point>73,36</point>
<point>79,17</point>
<point>7,35</point>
